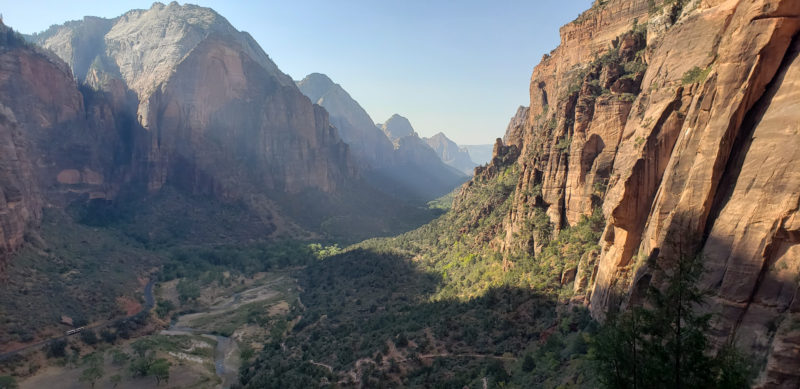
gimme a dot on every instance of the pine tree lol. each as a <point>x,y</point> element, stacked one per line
<point>664,344</point>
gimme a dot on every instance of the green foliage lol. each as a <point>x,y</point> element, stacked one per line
<point>563,145</point>
<point>664,345</point>
<point>246,353</point>
<point>195,262</point>
<point>188,290</point>
<point>445,202</point>
<point>438,290</point>
<point>93,370</point>
<point>10,39</point>
<point>119,357</point>
<point>115,380</point>
<point>695,75</point>
<point>164,307</point>
<point>108,335</point>
<point>89,337</point>
<point>8,382</point>
<point>321,252</point>
<point>160,370</point>
<point>57,349</point>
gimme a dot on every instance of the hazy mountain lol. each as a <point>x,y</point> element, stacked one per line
<point>396,127</point>
<point>404,165</point>
<point>451,154</point>
<point>368,145</point>
<point>480,154</point>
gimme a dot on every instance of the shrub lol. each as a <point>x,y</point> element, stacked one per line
<point>57,349</point>
<point>695,75</point>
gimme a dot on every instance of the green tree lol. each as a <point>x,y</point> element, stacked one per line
<point>94,368</point>
<point>8,382</point>
<point>164,307</point>
<point>115,380</point>
<point>57,349</point>
<point>160,370</point>
<point>89,337</point>
<point>666,344</point>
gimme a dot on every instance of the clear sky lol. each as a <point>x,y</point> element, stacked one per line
<point>457,66</point>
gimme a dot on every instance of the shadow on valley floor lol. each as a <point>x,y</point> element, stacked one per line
<point>367,318</point>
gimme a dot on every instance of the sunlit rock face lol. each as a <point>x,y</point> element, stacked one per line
<point>678,120</point>
<point>217,114</point>
<point>169,95</point>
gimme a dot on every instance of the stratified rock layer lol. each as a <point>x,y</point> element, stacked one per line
<point>679,121</point>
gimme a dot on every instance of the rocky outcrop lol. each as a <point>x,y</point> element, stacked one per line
<point>677,119</point>
<point>20,201</point>
<point>451,153</point>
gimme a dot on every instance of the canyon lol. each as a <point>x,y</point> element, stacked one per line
<point>671,125</point>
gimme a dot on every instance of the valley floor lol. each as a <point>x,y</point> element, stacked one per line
<point>204,347</point>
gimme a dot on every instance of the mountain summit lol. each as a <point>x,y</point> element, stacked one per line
<point>397,127</point>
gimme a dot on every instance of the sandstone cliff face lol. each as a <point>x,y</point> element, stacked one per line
<point>20,201</point>
<point>58,144</point>
<point>217,115</point>
<point>679,121</point>
<point>450,153</point>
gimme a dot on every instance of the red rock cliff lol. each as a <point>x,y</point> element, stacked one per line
<point>679,121</point>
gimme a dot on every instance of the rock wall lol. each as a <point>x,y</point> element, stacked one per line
<point>215,114</point>
<point>679,121</point>
<point>57,144</point>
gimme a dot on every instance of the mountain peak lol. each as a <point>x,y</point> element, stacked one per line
<point>318,78</point>
<point>397,127</point>
<point>316,85</point>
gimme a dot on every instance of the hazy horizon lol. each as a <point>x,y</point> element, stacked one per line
<point>459,69</point>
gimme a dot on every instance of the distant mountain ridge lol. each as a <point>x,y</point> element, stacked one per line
<point>393,156</point>
<point>369,145</point>
<point>112,110</point>
<point>480,154</point>
<point>451,153</point>
<point>397,127</point>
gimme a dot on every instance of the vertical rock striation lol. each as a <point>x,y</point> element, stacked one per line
<point>679,121</point>
<point>217,115</point>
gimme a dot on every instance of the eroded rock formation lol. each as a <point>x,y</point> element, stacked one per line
<point>217,113</point>
<point>679,121</point>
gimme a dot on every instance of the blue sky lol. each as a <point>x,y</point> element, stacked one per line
<point>461,67</point>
